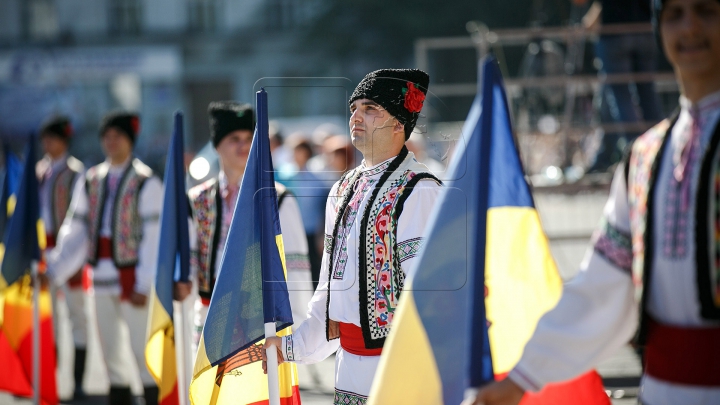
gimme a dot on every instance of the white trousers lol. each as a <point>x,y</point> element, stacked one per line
<point>75,299</point>
<point>122,328</point>
<point>353,377</point>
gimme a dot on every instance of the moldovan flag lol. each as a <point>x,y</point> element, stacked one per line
<point>484,277</point>
<point>250,291</point>
<point>173,265</point>
<point>23,241</point>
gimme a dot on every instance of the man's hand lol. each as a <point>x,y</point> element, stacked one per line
<point>504,392</point>
<point>181,290</point>
<point>137,299</point>
<point>272,341</point>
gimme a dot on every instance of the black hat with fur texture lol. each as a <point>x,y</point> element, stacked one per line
<point>58,126</point>
<point>229,116</point>
<point>400,91</point>
<point>127,123</point>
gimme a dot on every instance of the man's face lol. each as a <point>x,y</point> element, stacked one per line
<point>53,145</point>
<point>116,144</point>
<point>234,149</point>
<point>372,127</point>
<point>690,31</point>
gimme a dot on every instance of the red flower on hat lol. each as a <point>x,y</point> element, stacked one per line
<point>135,124</point>
<point>69,130</point>
<point>414,98</point>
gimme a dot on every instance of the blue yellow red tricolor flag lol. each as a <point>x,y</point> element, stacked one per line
<point>24,239</point>
<point>483,280</point>
<point>173,265</point>
<point>250,291</point>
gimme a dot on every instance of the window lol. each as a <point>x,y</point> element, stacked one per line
<point>125,16</point>
<point>40,19</point>
<point>202,15</point>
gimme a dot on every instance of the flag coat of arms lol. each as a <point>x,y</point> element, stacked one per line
<point>484,278</point>
<point>250,291</point>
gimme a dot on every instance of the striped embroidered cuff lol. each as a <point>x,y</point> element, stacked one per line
<point>288,348</point>
<point>297,261</point>
<point>526,383</point>
<point>614,245</point>
<point>409,248</point>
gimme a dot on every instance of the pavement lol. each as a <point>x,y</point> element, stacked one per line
<point>568,221</point>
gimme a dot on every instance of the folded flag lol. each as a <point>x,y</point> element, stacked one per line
<point>173,265</point>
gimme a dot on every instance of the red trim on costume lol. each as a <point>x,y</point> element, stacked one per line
<point>351,340</point>
<point>51,242</point>
<point>680,355</point>
<point>127,274</point>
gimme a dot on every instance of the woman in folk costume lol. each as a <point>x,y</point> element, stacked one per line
<point>113,225</point>
<point>213,203</point>
<point>654,269</point>
<point>59,173</point>
<point>374,221</point>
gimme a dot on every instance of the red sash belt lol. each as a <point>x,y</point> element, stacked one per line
<point>127,274</point>
<point>50,241</point>
<point>683,355</point>
<point>351,340</point>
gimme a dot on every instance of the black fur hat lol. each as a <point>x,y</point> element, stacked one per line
<point>400,91</point>
<point>229,116</point>
<point>128,123</point>
<point>57,125</point>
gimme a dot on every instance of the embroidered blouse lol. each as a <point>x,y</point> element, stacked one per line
<point>73,246</point>
<point>342,279</point>
<point>598,311</point>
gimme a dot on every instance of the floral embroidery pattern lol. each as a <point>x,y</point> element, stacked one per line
<point>361,187</point>
<point>202,199</point>
<point>62,189</point>
<point>614,245</point>
<point>348,398</point>
<point>386,281</point>
<point>644,152</point>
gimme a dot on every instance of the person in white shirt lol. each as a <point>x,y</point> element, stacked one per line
<point>113,225</point>
<point>58,174</point>
<point>654,267</point>
<point>374,222</point>
<point>213,204</point>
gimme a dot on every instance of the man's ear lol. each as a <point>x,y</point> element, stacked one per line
<point>399,127</point>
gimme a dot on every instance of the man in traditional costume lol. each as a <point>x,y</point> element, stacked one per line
<point>113,225</point>
<point>654,268</point>
<point>58,173</point>
<point>374,222</point>
<point>213,203</point>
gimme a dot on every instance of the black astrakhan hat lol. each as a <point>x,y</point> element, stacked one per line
<point>400,91</point>
<point>128,123</point>
<point>229,116</point>
<point>57,125</point>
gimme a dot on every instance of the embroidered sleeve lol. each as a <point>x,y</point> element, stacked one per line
<point>287,348</point>
<point>297,262</point>
<point>614,246</point>
<point>409,248</point>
